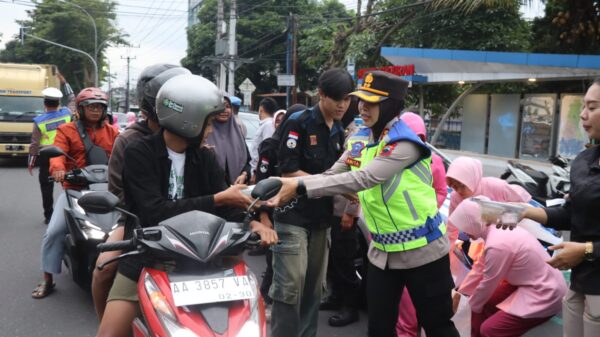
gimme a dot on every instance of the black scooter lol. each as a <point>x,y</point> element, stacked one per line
<point>85,230</point>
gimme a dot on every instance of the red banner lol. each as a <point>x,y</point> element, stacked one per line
<point>405,70</point>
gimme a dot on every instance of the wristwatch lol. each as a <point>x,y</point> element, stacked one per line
<point>589,251</point>
<point>301,189</point>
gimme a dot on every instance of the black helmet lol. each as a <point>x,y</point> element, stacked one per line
<point>150,81</point>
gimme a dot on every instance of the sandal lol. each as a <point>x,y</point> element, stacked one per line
<point>43,289</point>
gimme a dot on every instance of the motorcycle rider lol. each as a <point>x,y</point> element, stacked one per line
<point>43,133</point>
<point>91,104</point>
<point>149,82</point>
<point>167,174</point>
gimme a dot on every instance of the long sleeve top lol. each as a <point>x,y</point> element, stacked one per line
<point>517,257</point>
<point>581,215</point>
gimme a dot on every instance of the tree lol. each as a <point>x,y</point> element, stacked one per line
<point>261,34</point>
<point>68,25</point>
<point>571,27</point>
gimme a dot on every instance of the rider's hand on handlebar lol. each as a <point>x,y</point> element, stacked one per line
<point>59,176</point>
<point>233,197</point>
<point>268,236</point>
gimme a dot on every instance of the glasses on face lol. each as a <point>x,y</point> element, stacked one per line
<point>95,107</point>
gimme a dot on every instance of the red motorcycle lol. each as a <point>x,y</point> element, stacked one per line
<point>203,287</point>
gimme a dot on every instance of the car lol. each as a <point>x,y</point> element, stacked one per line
<point>121,120</point>
<point>251,122</point>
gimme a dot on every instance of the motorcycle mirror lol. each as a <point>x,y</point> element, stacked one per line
<point>100,202</point>
<point>51,152</point>
<point>266,189</point>
<point>54,151</point>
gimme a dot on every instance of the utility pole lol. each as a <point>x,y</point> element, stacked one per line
<point>232,48</point>
<point>288,57</point>
<point>294,58</point>
<point>128,58</point>
<point>219,44</point>
<point>109,88</point>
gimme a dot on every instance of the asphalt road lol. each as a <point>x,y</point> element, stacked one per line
<point>69,310</point>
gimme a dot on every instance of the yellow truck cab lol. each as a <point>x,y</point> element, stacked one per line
<point>21,100</point>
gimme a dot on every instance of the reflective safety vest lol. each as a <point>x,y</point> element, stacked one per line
<point>401,213</point>
<point>49,122</point>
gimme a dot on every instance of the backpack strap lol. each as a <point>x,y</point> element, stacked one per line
<point>87,142</point>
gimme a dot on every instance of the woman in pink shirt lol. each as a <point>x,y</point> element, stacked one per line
<point>407,325</point>
<point>465,177</point>
<point>517,290</point>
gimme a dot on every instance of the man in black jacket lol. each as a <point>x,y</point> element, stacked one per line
<point>167,174</point>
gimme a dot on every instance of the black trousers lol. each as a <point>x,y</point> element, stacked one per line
<point>430,287</point>
<point>46,186</point>
<point>345,284</point>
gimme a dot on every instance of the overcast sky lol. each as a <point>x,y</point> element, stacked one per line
<point>156,28</point>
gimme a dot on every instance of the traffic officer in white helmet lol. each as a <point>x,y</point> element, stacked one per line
<point>43,133</point>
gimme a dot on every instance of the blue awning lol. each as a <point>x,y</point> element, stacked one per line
<point>451,66</point>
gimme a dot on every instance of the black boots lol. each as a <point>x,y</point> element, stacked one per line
<point>344,317</point>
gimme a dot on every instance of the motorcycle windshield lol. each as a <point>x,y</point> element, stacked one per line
<point>198,235</point>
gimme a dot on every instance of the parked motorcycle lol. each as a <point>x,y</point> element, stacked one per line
<point>541,186</point>
<point>206,288</point>
<point>85,230</point>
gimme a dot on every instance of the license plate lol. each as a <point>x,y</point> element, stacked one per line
<point>15,147</point>
<point>222,289</point>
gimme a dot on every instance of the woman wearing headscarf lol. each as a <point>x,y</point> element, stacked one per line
<point>465,177</point>
<point>225,136</point>
<point>517,290</point>
<point>131,118</point>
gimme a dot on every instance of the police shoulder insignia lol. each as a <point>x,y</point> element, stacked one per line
<point>387,150</point>
<point>356,150</point>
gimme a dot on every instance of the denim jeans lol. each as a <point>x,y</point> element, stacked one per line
<point>53,242</point>
<point>299,263</point>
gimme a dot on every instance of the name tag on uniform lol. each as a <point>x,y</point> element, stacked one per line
<point>352,162</point>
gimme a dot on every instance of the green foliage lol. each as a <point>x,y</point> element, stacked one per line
<point>570,27</point>
<point>261,35</point>
<point>68,25</point>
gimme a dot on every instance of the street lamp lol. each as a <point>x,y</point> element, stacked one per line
<point>95,31</point>
<point>22,34</point>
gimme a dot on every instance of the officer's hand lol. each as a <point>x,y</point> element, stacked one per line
<point>347,222</point>
<point>58,176</point>
<point>233,197</point>
<point>286,193</point>
<point>30,169</point>
<point>264,219</point>
<point>241,179</point>
<point>268,236</point>
<point>61,78</point>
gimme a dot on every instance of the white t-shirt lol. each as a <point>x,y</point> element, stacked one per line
<point>176,175</point>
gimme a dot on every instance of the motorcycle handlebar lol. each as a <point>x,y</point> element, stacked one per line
<point>117,245</point>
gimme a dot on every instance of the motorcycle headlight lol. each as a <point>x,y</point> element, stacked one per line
<point>92,231</point>
<point>163,310</point>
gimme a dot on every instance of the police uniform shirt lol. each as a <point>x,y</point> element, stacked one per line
<point>308,144</point>
<point>340,180</point>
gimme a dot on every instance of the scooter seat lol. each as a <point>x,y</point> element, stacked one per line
<point>539,176</point>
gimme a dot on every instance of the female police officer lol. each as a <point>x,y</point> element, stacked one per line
<point>389,166</point>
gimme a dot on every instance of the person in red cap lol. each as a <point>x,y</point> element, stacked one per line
<point>91,104</point>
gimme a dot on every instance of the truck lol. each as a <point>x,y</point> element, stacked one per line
<point>21,100</point>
